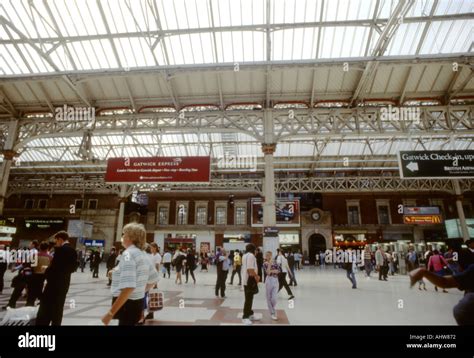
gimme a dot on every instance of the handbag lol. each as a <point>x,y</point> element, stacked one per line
<point>155,300</point>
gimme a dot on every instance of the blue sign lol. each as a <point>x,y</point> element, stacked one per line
<point>99,243</point>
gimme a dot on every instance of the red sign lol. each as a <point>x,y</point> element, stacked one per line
<point>159,170</point>
<point>423,219</point>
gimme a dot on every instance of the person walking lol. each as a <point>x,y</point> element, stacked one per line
<point>110,264</point>
<point>381,263</point>
<point>35,290</point>
<point>82,259</point>
<point>250,280</point>
<point>58,278</point>
<point>285,270</point>
<point>350,267</point>
<point>204,262</point>
<point>178,259</point>
<point>367,261</point>
<point>411,259</point>
<point>131,279</point>
<point>237,267</point>
<point>291,265</point>
<point>95,262</point>
<point>167,259</point>
<point>222,271</point>
<point>190,265</point>
<point>436,264</point>
<point>272,269</point>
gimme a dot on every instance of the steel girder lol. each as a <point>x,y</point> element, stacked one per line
<point>334,124</point>
<point>367,184</point>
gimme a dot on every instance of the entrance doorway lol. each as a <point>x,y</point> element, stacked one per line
<point>316,243</point>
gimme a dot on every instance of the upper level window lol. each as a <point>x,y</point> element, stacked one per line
<point>182,214</point>
<point>29,203</point>
<point>92,204</point>
<point>42,203</point>
<point>221,215</point>
<point>201,215</point>
<point>163,215</point>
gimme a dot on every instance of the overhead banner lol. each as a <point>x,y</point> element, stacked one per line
<point>287,213</point>
<point>436,164</point>
<point>158,170</point>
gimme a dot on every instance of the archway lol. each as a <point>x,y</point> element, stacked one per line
<point>316,243</point>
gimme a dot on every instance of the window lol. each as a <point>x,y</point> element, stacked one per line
<point>163,215</point>
<point>384,215</point>
<point>79,204</point>
<point>201,215</point>
<point>92,204</point>
<point>353,212</point>
<point>240,215</point>
<point>221,215</point>
<point>409,202</point>
<point>353,215</point>
<point>439,203</point>
<point>29,203</point>
<point>182,214</point>
<point>42,203</point>
<point>383,212</point>
<point>467,207</point>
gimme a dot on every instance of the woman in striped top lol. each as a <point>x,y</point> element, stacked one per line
<point>134,276</point>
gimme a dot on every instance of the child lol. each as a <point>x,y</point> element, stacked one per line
<point>272,269</point>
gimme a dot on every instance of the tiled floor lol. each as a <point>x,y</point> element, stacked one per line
<point>323,297</point>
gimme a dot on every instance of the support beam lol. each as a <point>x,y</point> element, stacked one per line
<point>460,209</point>
<point>121,212</point>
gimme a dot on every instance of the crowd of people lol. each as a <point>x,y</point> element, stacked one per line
<point>135,269</point>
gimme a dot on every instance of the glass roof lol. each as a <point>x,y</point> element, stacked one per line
<point>78,35</point>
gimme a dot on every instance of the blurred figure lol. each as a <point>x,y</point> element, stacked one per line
<point>3,266</point>
<point>111,263</point>
<point>190,265</point>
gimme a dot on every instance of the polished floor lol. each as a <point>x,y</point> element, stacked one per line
<point>323,297</point>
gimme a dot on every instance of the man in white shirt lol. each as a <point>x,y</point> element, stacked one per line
<point>249,269</point>
<point>285,270</point>
<point>167,258</point>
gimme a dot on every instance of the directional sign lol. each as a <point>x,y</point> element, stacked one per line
<point>436,164</point>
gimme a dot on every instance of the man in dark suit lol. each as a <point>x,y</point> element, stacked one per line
<point>58,278</point>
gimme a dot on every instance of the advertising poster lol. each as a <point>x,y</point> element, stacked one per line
<point>287,213</point>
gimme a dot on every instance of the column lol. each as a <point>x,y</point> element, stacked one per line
<point>269,215</point>
<point>462,217</point>
<point>8,154</point>
<point>123,200</point>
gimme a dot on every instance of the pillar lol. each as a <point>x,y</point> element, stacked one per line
<point>462,217</point>
<point>8,154</point>
<point>269,215</point>
<point>121,213</point>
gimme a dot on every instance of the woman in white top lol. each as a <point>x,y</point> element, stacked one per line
<point>134,276</point>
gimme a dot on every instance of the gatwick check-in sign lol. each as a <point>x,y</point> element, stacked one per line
<point>436,164</point>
